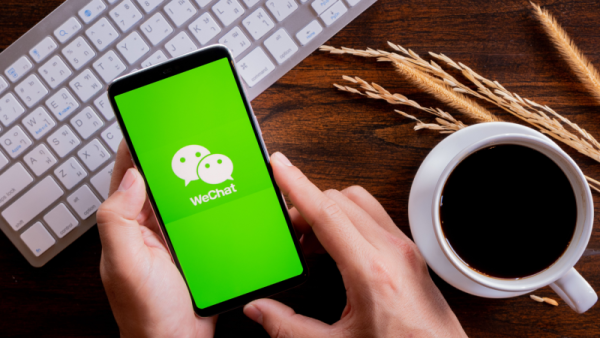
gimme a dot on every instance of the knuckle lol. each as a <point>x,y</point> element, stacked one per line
<point>355,191</point>
<point>381,274</point>
<point>408,251</point>
<point>330,193</point>
<point>330,209</point>
<point>281,331</point>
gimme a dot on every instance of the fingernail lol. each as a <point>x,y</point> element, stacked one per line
<point>128,180</point>
<point>253,313</point>
<point>281,158</point>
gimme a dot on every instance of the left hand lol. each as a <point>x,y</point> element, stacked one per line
<point>146,291</point>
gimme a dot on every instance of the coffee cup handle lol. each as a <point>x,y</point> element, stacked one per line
<point>575,291</point>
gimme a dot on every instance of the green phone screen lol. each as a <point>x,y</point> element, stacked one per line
<point>205,169</point>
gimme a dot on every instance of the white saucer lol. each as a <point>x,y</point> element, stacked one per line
<point>420,202</point>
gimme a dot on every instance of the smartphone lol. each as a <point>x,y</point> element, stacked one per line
<point>194,138</point>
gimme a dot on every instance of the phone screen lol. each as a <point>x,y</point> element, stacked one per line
<point>206,171</point>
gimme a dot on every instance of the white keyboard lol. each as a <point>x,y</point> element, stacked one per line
<point>58,134</point>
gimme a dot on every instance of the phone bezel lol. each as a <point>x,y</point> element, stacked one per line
<point>171,68</point>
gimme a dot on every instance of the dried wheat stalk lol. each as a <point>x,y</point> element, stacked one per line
<point>419,76</point>
<point>491,91</point>
<point>580,65</point>
<point>544,300</point>
<point>536,298</point>
<point>447,124</point>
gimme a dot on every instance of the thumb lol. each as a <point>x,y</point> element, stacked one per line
<point>120,232</point>
<point>280,320</point>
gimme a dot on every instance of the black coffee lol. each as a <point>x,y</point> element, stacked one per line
<point>508,211</point>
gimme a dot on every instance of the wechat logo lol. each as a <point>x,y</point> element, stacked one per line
<point>194,162</point>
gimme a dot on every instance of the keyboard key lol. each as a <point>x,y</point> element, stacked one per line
<point>203,3</point>
<point>61,220</point>
<point>236,41</point>
<point>70,173</point>
<point>321,5</point>
<point>156,28</point>
<point>306,34</point>
<point>3,84</point>
<point>43,49</point>
<point>18,69</point>
<point>250,3</point>
<point>180,45</point>
<point>180,11</point>
<point>112,1</point>
<point>85,85</point>
<point>38,122</point>
<point>333,13</point>
<point>84,202</point>
<point>93,155</point>
<point>109,66</point>
<point>113,136</point>
<point>78,53</point>
<point>102,180</point>
<point>281,46</point>
<point>3,161</point>
<point>33,202</point>
<point>228,11</point>
<point>204,28</point>
<point>39,159</point>
<point>281,8</point>
<point>155,58</point>
<point>62,104</point>
<point>86,122</point>
<point>55,71</point>
<point>15,141</point>
<point>91,11</point>
<point>104,107</point>
<point>63,141</point>
<point>125,15</point>
<point>31,90</point>
<point>10,109</point>
<point>13,181</point>
<point>67,30</point>
<point>37,239</point>
<point>149,5</point>
<point>133,47</point>
<point>258,23</point>
<point>255,66</point>
<point>352,2</point>
<point>102,34</point>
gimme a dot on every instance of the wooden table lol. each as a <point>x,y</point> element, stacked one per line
<point>340,139</point>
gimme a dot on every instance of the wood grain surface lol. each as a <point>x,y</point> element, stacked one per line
<point>339,140</point>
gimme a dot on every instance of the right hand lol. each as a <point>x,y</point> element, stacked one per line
<point>389,290</point>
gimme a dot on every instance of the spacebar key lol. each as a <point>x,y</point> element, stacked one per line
<point>32,203</point>
<point>255,66</point>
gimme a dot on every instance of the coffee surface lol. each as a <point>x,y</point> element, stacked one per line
<point>508,211</point>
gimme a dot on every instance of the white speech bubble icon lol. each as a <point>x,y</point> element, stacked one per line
<point>185,162</point>
<point>215,169</point>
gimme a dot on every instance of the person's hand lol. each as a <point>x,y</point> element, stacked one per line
<point>147,294</point>
<point>389,290</point>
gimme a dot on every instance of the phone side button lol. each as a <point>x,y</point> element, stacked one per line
<point>256,123</point>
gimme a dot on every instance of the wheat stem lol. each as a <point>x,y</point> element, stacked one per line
<point>579,64</point>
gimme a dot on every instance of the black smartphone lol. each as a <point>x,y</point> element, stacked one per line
<point>195,140</point>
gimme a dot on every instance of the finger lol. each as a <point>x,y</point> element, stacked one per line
<point>281,321</point>
<point>122,163</point>
<point>331,226</point>
<point>371,205</point>
<point>300,224</point>
<point>119,231</point>
<point>310,243</point>
<point>365,224</point>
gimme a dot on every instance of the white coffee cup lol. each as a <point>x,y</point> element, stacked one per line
<point>561,276</point>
